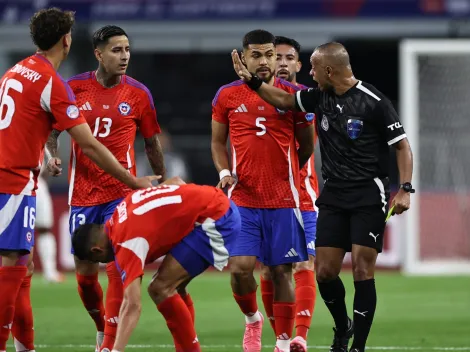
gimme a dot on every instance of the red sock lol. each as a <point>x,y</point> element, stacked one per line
<point>284,315</point>
<point>267,294</point>
<point>190,304</point>
<point>23,327</point>
<point>11,278</point>
<point>305,296</point>
<point>91,294</point>
<point>114,297</point>
<point>247,303</point>
<point>178,320</point>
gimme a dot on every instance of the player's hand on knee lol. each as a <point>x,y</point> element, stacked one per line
<point>401,203</point>
<point>226,181</point>
<point>54,167</point>
<point>239,68</point>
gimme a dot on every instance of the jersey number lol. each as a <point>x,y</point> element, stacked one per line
<point>29,217</point>
<point>106,122</point>
<point>81,220</point>
<point>7,101</point>
<point>259,123</point>
<point>142,195</point>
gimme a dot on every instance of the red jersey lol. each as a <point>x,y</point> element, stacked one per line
<point>114,114</point>
<point>148,223</point>
<point>33,97</point>
<point>308,180</point>
<point>264,154</point>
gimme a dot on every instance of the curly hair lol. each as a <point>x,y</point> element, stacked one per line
<point>47,26</point>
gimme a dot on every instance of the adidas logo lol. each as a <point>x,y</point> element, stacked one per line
<point>305,313</point>
<point>241,108</point>
<point>291,253</point>
<point>311,245</point>
<point>114,320</point>
<point>271,318</point>
<point>196,340</point>
<point>8,326</point>
<point>86,107</point>
<point>283,336</point>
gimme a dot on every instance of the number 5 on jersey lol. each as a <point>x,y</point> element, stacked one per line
<point>104,122</point>
<point>259,123</point>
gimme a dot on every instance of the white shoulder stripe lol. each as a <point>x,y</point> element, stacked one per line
<point>139,246</point>
<point>46,96</point>
<point>297,97</point>
<point>367,91</point>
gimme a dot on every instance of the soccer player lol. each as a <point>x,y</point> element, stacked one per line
<point>356,124</point>
<point>195,226</point>
<point>287,67</point>
<point>33,97</point>
<point>264,183</point>
<point>115,106</point>
<point>47,246</point>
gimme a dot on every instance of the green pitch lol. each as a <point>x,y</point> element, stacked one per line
<point>421,313</point>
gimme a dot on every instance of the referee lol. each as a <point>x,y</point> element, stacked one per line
<point>356,124</point>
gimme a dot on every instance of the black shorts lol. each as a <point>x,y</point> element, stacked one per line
<point>352,213</point>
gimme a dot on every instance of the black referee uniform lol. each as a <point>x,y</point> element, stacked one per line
<point>355,131</point>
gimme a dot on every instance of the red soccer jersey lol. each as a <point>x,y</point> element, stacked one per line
<point>264,154</point>
<point>114,114</point>
<point>148,223</point>
<point>33,97</point>
<point>308,180</point>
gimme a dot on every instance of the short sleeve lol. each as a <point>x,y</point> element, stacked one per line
<point>219,111</point>
<point>307,100</point>
<point>130,257</point>
<point>58,99</point>
<point>148,123</point>
<point>303,120</point>
<point>389,122</point>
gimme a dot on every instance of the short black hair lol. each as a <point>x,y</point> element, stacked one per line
<point>258,36</point>
<point>47,26</point>
<point>102,35</point>
<point>288,41</point>
<point>82,240</point>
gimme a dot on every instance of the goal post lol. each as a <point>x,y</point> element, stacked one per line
<point>435,110</point>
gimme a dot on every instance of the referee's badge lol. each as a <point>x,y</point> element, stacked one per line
<point>354,128</point>
<point>324,123</point>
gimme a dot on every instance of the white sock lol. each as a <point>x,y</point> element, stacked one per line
<point>253,319</point>
<point>283,345</point>
<point>47,249</point>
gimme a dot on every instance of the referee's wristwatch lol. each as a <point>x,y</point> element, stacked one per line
<point>407,187</point>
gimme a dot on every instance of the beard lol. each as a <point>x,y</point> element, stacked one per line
<point>289,78</point>
<point>266,77</point>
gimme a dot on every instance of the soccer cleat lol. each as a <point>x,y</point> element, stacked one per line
<point>298,344</point>
<point>99,340</point>
<point>252,336</point>
<point>355,350</point>
<point>341,339</point>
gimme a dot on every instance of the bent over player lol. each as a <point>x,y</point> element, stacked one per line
<point>195,226</point>
<point>33,97</point>
<point>264,183</point>
<point>115,106</point>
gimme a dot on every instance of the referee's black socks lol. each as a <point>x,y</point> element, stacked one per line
<point>333,293</point>
<point>365,301</point>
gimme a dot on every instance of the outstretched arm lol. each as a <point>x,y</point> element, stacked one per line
<point>129,314</point>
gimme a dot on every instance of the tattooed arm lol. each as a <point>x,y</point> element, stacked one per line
<point>154,152</point>
<point>51,152</point>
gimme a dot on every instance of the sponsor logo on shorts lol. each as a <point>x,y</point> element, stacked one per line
<point>29,237</point>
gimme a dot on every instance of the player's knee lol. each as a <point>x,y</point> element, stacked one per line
<point>265,273</point>
<point>30,268</point>
<point>362,272</point>
<point>159,290</point>
<point>281,274</point>
<point>326,273</point>
<point>307,265</point>
<point>241,268</point>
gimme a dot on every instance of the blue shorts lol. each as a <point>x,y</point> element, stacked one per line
<point>310,226</point>
<point>97,214</point>
<point>209,244</point>
<point>274,236</point>
<point>17,217</point>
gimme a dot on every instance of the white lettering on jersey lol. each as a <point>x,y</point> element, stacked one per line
<point>26,72</point>
<point>395,125</point>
